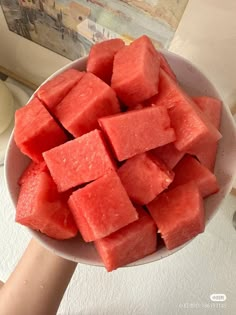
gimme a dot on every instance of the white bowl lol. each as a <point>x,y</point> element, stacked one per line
<point>196,84</point>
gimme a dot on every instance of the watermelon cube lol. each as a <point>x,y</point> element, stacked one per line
<point>88,100</point>
<point>189,169</point>
<point>85,230</point>
<point>168,154</point>
<point>166,91</point>
<point>132,242</point>
<point>32,170</point>
<point>138,131</point>
<point>136,72</point>
<point>52,92</point>
<point>104,205</point>
<point>144,177</point>
<point>61,225</point>
<point>166,67</point>
<point>42,208</point>
<point>212,108</point>
<point>101,56</point>
<point>79,161</point>
<point>179,214</point>
<point>36,131</point>
<point>192,127</point>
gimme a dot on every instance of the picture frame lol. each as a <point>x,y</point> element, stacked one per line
<point>68,28</point>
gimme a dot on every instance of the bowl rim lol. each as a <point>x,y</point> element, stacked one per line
<point>167,253</point>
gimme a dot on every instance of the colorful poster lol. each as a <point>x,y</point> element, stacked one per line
<point>69,27</point>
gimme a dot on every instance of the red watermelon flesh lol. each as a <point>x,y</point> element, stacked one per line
<point>32,170</point>
<point>166,67</point>
<point>169,92</point>
<point>138,131</point>
<point>79,161</point>
<point>193,128</point>
<point>144,177</point>
<point>166,92</point>
<point>212,108</point>
<point>179,214</point>
<point>52,92</point>
<point>36,131</point>
<point>40,207</point>
<point>88,100</point>
<point>189,169</point>
<point>105,206</point>
<point>85,230</point>
<point>136,72</point>
<point>132,242</point>
<point>61,224</point>
<point>168,154</point>
<point>160,123</point>
<point>101,56</point>
<point>136,107</point>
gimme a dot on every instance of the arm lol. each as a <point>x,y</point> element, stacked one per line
<point>37,284</point>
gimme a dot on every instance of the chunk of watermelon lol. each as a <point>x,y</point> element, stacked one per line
<point>52,92</point>
<point>101,56</point>
<point>192,127</point>
<point>42,208</point>
<point>79,161</point>
<point>193,130</point>
<point>88,100</point>
<point>132,242</point>
<point>212,108</point>
<point>138,131</point>
<point>104,205</point>
<point>179,214</point>
<point>85,230</point>
<point>168,154</point>
<point>166,67</point>
<point>163,87</point>
<point>32,170</point>
<point>189,169</point>
<point>136,71</point>
<point>36,131</point>
<point>166,92</point>
<point>61,225</point>
<point>144,177</point>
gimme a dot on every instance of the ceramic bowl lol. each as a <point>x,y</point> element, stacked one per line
<point>196,84</point>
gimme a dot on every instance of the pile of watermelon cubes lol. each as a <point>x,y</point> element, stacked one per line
<point>119,152</point>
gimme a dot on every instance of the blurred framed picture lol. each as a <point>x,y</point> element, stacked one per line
<point>70,27</point>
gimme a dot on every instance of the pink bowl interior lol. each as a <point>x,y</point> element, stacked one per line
<point>196,84</point>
